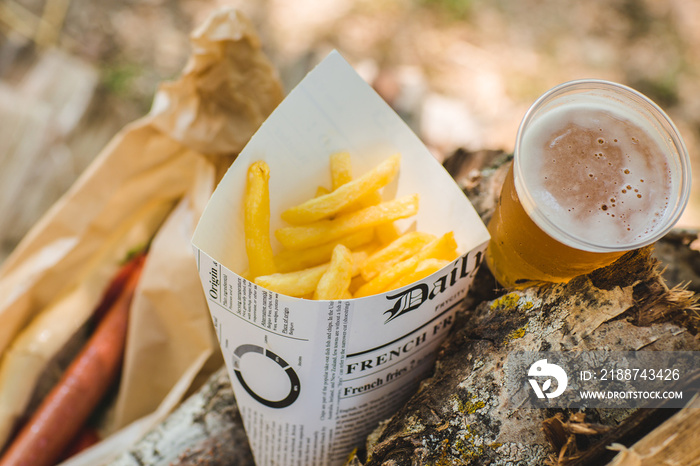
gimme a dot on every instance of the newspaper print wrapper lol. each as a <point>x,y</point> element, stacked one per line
<point>313,378</point>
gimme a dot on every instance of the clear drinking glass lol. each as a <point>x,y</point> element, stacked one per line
<point>598,170</point>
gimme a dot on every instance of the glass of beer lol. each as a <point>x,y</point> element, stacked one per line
<point>598,170</point>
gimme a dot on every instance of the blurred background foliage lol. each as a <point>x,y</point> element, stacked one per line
<point>461,72</point>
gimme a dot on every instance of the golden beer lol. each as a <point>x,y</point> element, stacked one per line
<point>598,170</point>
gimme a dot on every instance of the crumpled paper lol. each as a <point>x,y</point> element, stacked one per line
<point>170,159</point>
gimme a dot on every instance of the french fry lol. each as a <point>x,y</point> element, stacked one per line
<point>297,283</point>
<point>300,237</point>
<point>355,284</point>
<point>341,173</point>
<point>422,270</point>
<point>358,258</point>
<point>444,248</point>
<point>336,279</point>
<point>288,261</point>
<point>396,251</point>
<point>303,283</point>
<point>322,207</point>
<point>256,223</point>
<point>387,232</point>
<point>369,199</point>
<point>321,191</point>
<point>341,169</point>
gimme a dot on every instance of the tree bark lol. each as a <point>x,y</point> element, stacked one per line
<point>205,430</point>
<point>462,415</point>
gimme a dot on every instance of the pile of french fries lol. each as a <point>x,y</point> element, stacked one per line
<point>342,243</point>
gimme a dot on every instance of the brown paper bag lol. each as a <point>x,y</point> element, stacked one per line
<point>151,182</point>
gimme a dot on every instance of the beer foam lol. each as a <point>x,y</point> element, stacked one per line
<point>598,170</point>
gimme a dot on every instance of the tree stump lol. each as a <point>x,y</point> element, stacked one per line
<point>461,415</point>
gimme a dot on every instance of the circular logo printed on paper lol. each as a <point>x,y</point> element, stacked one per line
<point>274,384</point>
